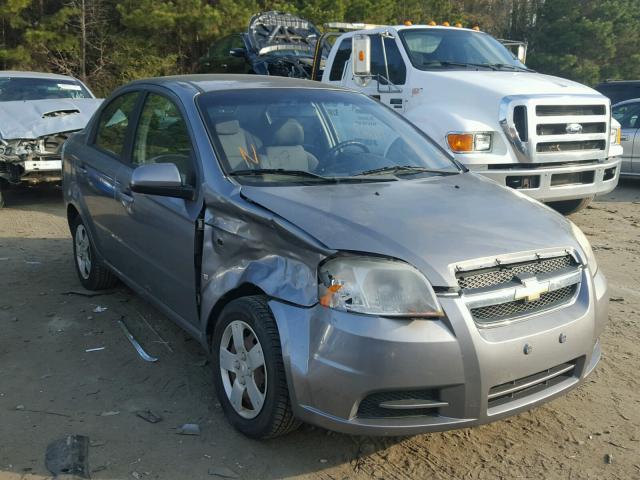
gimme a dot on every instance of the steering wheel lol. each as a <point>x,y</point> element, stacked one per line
<point>333,151</point>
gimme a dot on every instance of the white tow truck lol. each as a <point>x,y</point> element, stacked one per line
<point>550,138</point>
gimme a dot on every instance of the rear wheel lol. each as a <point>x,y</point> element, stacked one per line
<point>248,370</point>
<point>567,207</point>
<point>92,273</point>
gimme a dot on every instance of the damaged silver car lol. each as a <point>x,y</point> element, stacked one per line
<point>38,112</point>
<point>341,268</point>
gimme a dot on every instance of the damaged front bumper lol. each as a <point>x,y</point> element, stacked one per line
<point>32,161</point>
<point>379,376</point>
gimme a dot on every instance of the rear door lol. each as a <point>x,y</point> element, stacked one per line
<point>159,233</point>
<point>97,170</point>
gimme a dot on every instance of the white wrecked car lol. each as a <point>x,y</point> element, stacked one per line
<point>38,111</point>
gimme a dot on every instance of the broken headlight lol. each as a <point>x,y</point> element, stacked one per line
<point>376,286</point>
<point>586,248</point>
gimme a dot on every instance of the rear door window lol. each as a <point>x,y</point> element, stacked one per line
<point>113,123</point>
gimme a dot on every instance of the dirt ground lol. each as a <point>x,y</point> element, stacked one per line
<point>50,386</point>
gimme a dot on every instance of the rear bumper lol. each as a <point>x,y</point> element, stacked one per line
<point>335,360</point>
<point>551,184</point>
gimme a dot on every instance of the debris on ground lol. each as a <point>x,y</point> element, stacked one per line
<point>136,475</point>
<point>69,456</point>
<point>608,459</point>
<point>616,299</point>
<point>189,429</point>
<point>97,349</point>
<point>162,340</point>
<point>100,309</point>
<point>109,413</point>
<point>144,355</point>
<point>223,472</point>
<point>149,416</point>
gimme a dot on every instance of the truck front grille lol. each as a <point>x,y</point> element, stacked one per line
<point>547,147</point>
<point>561,110</point>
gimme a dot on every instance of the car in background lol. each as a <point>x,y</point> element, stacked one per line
<point>275,43</point>
<point>628,114</point>
<point>38,112</point>
<point>619,90</point>
<point>340,267</point>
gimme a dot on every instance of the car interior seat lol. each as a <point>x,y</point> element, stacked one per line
<point>286,148</point>
<point>240,147</point>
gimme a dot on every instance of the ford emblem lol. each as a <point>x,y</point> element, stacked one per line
<point>574,128</point>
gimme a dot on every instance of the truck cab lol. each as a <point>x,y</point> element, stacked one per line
<point>551,138</point>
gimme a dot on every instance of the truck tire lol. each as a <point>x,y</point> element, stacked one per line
<point>248,370</point>
<point>93,274</point>
<point>567,207</point>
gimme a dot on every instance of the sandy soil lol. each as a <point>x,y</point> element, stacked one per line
<point>50,386</point>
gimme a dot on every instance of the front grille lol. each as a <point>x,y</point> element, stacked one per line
<point>561,128</point>
<point>370,406</point>
<point>525,386</point>
<point>562,110</point>
<point>493,276</point>
<point>547,147</point>
<point>509,310</point>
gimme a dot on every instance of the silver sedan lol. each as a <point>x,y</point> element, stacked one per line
<point>339,266</point>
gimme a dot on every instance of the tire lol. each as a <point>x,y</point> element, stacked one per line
<point>567,207</point>
<point>274,416</point>
<point>93,274</point>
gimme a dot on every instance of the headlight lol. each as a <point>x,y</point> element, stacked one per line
<point>616,135</point>
<point>469,142</point>
<point>586,248</point>
<point>376,286</point>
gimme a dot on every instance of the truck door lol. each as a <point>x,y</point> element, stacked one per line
<point>388,79</point>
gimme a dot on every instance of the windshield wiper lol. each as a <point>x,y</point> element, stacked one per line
<point>278,171</point>
<point>445,63</point>
<point>407,169</point>
<point>506,66</point>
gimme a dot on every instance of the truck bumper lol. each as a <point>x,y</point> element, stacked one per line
<point>557,183</point>
<point>342,368</point>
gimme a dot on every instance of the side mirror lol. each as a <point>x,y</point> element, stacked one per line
<point>238,52</point>
<point>361,56</point>
<point>160,179</point>
<point>522,53</point>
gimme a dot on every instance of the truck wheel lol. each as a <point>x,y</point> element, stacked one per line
<point>249,372</point>
<point>92,273</point>
<point>567,207</point>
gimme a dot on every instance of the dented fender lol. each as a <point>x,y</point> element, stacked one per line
<point>244,243</point>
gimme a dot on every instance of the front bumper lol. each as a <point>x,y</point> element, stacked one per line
<point>336,360</point>
<point>32,171</point>
<point>557,183</point>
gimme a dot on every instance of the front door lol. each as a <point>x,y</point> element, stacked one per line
<point>158,253</point>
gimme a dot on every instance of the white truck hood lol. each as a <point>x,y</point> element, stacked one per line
<point>31,119</point>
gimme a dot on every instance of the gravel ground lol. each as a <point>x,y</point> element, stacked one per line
<point>50,386</point>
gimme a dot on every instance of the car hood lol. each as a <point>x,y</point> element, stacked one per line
<point>31,119</point>
<point>276,31</point>
<point>434,223</point>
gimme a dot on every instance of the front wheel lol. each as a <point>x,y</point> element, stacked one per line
<point>92,273</point>
<point>567,207</point>
<point>249,372</point>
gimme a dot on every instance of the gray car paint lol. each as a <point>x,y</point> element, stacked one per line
<point>273,239</point>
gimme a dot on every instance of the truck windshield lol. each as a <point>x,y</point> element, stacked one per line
<point>27,88</point>
<point>439,48</point>
<point>275,135</point>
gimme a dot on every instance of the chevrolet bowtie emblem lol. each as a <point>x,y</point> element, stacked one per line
<point>531,288</point>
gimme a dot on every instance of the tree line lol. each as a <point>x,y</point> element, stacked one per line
<point>109,42</point>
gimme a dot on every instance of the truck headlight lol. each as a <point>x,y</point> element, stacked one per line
<point>586,248</point>
<point>616,134</point>
<point>376,286</point>
<point>468,142</point>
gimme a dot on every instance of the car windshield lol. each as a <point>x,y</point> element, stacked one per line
<point>21,88</point>
<point>315,135</point>
<point>436,48</point>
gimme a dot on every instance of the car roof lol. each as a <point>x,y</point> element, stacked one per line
<point>215,82</point>
<point>624,102</point>
<point>21,74</point>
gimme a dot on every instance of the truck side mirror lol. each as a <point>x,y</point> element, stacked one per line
<point>361,56</point>
<point>522,53</point>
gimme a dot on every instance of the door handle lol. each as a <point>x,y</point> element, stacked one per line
<point>126,199</point>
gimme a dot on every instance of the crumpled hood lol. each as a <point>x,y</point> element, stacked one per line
<point>434,223</point>
<point>31,119</point>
